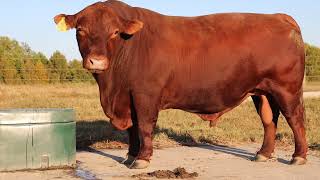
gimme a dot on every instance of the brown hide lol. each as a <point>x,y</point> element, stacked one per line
<point>205,65</point>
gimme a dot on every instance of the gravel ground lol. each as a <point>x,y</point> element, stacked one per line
<point>209,161</point>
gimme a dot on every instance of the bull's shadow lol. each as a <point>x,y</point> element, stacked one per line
<point>315,147</point>
<point>102,134</point>
<point>188,140</point>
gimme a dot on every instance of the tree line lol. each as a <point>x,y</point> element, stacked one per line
<point>312,63</point>
<point>19,64</point>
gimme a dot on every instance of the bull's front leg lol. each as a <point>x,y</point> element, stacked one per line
<point>134,141</point>
<point>147,114</point>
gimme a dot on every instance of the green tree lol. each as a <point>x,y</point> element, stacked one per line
<point>27,75</point>
<point>42,58</point>
<point>77,73</point>
<point>11,55</point>
<point>8,72</point>
<point>58,67</point>
<point>312,63</point>
<point>41,72</point>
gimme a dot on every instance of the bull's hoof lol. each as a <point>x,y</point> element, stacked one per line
<point>298,161</point>
<point>129,160</point>
<point>139,164</point>
<point>260,158</point>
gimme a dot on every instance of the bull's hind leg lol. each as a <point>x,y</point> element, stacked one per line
<point>268,111</point>
<point>292,108</point>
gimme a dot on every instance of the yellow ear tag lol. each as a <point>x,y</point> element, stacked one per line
<point>62,25</point>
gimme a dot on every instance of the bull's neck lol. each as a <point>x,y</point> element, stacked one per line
<point>124,54</point>
<point>115,76</point>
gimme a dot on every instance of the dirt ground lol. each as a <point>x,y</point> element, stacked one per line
<point>207,161</point>
<point>311,94</point>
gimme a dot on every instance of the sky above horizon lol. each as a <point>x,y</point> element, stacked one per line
<point>32,21</point>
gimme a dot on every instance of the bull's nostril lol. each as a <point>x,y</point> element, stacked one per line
<point>91,61</point>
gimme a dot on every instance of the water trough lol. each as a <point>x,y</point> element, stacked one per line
<point>37,139</point>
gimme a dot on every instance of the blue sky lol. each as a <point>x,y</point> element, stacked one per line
<point>31,21</point>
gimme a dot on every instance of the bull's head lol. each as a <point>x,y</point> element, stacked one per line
<point>98,27</point>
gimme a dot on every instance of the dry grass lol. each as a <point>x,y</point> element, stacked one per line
<point>84,98</point>
<point>312,86</point>
<point>238,126</point>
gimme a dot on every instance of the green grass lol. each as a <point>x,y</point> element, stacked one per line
<point>241,125</point>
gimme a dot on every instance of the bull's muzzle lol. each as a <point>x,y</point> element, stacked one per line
<point>95,65</point>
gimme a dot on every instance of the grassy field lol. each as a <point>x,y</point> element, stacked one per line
<point>241,125</point>
<point>312,86</point>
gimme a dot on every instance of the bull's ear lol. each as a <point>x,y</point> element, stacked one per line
<point>130,27</point>
<point>65,22</point>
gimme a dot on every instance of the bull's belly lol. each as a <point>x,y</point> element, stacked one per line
<point>204,104</point>
<point>209,109</point>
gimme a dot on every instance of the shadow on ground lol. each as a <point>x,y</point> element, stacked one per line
<point>102,132</point>
<point>99,132</point>
<point>230,150</point>
<point>315,147</point>
<point>91,133</point>
<point>101,153</point>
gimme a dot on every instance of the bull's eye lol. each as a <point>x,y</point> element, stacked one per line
<point>115,33</point>
<point>81,32</point>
